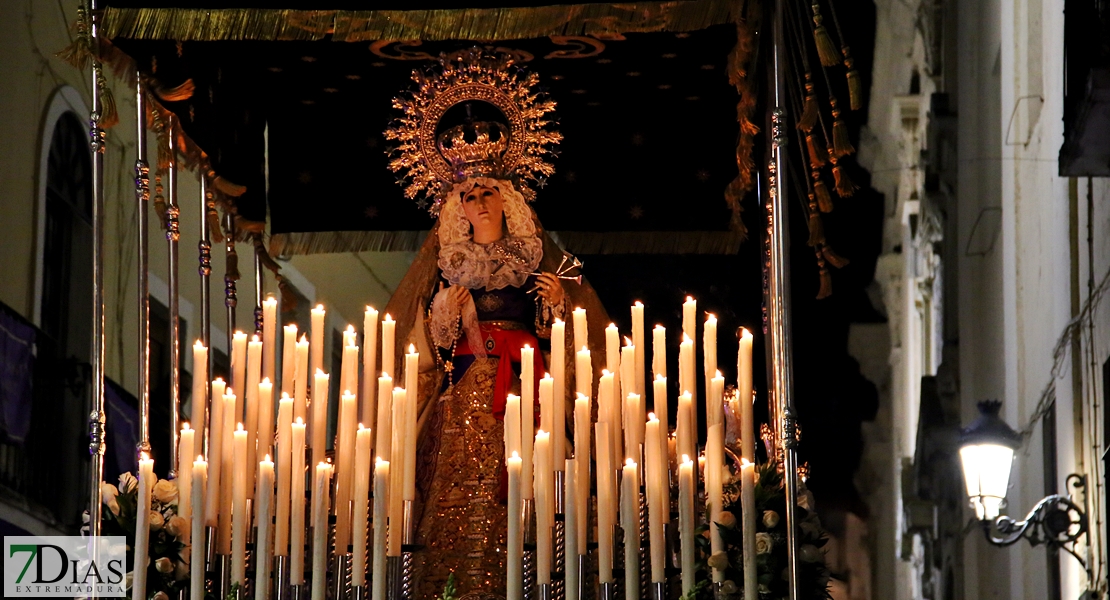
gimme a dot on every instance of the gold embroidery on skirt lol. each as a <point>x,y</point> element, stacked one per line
<point>463,524</point>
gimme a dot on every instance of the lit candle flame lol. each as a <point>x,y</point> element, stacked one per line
<point>185,426</point>
<point>412,349</point>
<point>300,421</point>
<point>267,459</point>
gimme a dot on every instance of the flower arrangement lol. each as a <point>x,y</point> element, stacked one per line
<point>168,552</point>
<point>770,543</point>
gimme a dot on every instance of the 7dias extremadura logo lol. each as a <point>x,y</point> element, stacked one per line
<point>64,566</point>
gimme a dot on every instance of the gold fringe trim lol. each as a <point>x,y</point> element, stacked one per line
<point>816,230</point>
<point>809,110</point>
<point>833,258</point>
<point>845,187</point>
<point>485,24</point>
<point>739,75</point>
<point>826,50</point>
<point>821,191</point>
<point>178,93</point>
<point>842,146</point>
<point>818,156</point>
<point>826,284</point>
<point>855,84</point>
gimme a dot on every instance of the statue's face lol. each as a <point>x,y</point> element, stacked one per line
<point>483,207</point>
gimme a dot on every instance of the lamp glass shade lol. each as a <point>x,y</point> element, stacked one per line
<point>987,476</point>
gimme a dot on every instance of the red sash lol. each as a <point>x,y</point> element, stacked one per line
<point>506,344</point>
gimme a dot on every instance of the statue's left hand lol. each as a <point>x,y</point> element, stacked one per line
<point>551,289</point>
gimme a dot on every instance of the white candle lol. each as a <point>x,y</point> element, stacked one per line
<point>581,331</point>
<point>714,465</point>
<point>349,371</point>
<point>215,453</point>
<point>238,363</point>
<point>269,338</point>
<point>227,473</point>
<point>388,326</point>
<point>659,391</point>
<point>686,375</point>
<point>320,502</point>
<point>367,397</point>
<point>239,507</point>
<point>300,381</point>
<point>383,436</point>
<point>319,439</point>
<point>196,551</point>
<point>397,472</point>
<point>606,508</point>
<point>263,516</point>
<point>655,473</point>
<point>265,430</point>
<point>747,506</point>
<point>686,434</point>
<point>630,522</point>
<point>610,405</point>
<point>689,329</point>
<point>296,502</point>
<point>686,523</point>
<point>659,351</point>
<point>715,401</point>
<point>412,395</point>
<point>316,360</point>
<point>559,399</point>
<point>289,359</point>
<point>612,348</point>
<point>284,474</point>
<point>254,377</point>
<point>381,505</point>
<point>360,505</point>
<point>582,429</point>
<point>547,402</point>
<point>583,373</point>
<point>641,346</point>
<point>199,400</point>
<point>512,426</point>
<point>709,350</point>
<point>142,527</point>
<point>515,543</point>
<point>572,530</point>
<point>185,444</point>
<point>527,417</point>
<point>350,338</point>
<point>545,509</point>
<point>345,470</point>
<point>744,393</point>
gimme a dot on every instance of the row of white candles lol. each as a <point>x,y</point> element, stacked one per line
<point>217,489</point>
<point>644,441</point>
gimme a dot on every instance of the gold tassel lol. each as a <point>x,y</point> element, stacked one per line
<point>826,284</point>
<point>228,188</point>
<point>833,258</point>
<point>817,154</point>
<point>288,295</point>
<point>264,255</point>
<point>160,201</point>
<point>78,52</point>
<point>816,231</point>
<point>855,85</point>
<point>826,50</point>
<point>109,117</point>
<point>232,271</point>
<point>214,230</point>
<point>845,187</point>
<point>824,201</point>
<point>842,146</point>
<point>178,93</point>
<point>809,111</point>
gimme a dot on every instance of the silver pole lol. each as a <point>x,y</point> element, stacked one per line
<point>96,412</point>
<point>258,279</point>
<point>230,296</point>
<point>173,235</point>
<point>142,196</point>
<point>204,258</point>
<point>779,297</point>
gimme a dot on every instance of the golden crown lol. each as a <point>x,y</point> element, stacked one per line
<point>429,162</point>
<point>474,149</point>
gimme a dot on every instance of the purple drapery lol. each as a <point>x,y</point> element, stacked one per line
<point>17,361</point>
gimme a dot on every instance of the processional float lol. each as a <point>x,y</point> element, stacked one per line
<point>550,522</point>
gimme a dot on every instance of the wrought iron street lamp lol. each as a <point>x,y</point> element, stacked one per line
<point>987,449</point>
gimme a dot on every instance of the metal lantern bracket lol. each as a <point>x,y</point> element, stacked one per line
<point>1056,521</point>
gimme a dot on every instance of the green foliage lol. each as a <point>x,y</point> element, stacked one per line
<point>449,591</point>
<point>702,585</point>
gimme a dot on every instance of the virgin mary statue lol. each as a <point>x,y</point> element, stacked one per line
<point>473,136</point>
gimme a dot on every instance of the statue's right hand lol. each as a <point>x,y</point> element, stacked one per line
<point>459,295</point>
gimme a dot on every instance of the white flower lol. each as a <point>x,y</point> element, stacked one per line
<point>763,543</point>
<point>176,526</point>
<point>165,491</point>
<point>107,492</point>
<point>113,506</point>
<point>728,587</point>
<point>164,565</point>
<point>718,560</point>
<point>160,596</point>
<point>127,483</point>
<point>805,500</point>
<point>770,519</point>
<point>809,553</point>
<point>726,519</point>
<point>156,520</point>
